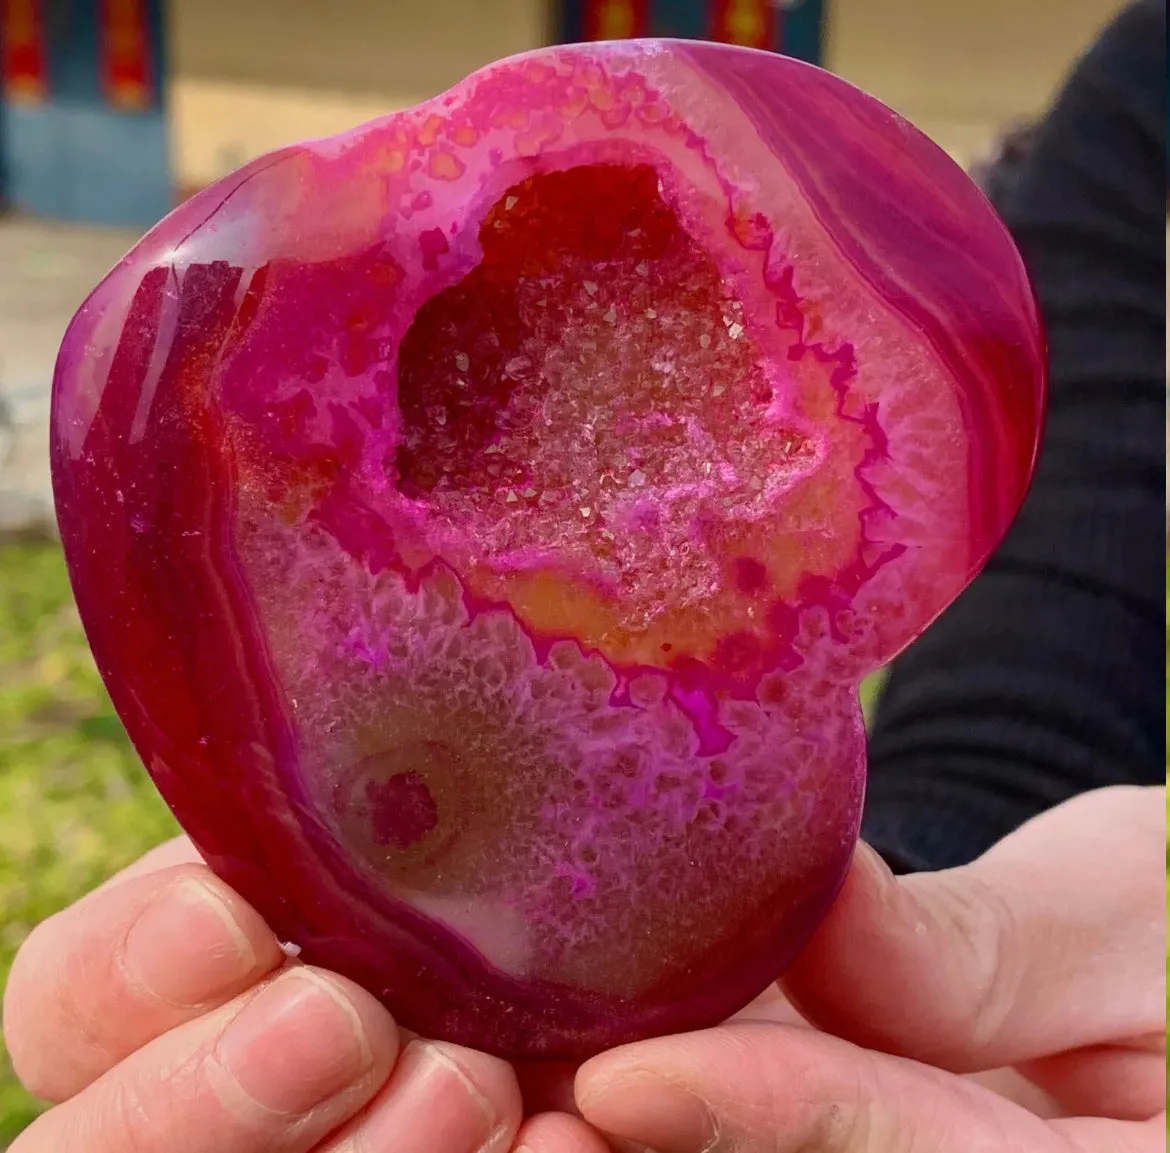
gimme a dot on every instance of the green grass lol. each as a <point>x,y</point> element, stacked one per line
<point>75,803</point>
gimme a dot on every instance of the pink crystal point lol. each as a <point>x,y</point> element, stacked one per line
<point>483,520</point>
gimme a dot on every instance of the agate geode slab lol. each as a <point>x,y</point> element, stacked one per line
<point>483,520</point>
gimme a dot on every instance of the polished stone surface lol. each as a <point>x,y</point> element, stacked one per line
<point>483,520</point>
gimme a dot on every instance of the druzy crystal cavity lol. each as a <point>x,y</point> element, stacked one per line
<point>483,520</point>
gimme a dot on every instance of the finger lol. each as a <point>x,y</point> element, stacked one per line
<point>560,1133</point>
<point>1106,1081</point>
<point>991,956</point>
<point>123,966</point>
<point>441,1099</point>
<point>547,1086</point>
<point>760,1088</point>
<point>1012,1085</point>
<point>1091,1135</point>
<point>275,1071</point>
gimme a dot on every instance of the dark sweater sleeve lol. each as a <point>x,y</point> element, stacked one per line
<point>1046,677</point>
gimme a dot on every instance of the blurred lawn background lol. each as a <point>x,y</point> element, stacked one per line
<point>75,802</point>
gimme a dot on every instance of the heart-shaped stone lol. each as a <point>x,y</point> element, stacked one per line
<point>483,520</point>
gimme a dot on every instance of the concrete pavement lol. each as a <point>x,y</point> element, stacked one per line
<point>46,271</point>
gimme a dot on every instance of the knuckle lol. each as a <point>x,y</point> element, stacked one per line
<point>836,1114</point>
<point>144,1106</point>
<point>124,1122</point>
<point>988,927</point>
<point>840,1121</point>
<point>53,1027</point>
<point>73,1008</point>
<point>111,1121</point>
<point>786,1104</point>
<point>27,1034</point>
<point>28,962</point>
<point>986,968</point>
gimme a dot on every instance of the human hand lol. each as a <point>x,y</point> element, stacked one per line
<point>1047,955</point>
<point>162,1016</point>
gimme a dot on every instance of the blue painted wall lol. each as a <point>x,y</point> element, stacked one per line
<point>74,157</point>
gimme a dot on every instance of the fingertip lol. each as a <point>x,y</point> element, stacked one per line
<point>377,1024</point>
<point>649,1070</point>
<point>556,1132</point>
<point>281,1066</point>
<point>646,1107</point>
<point>591,1079</point>
<point>867,858</point>
<point>301,1041</point>
<point>834,973</point>
<point>488,1082</point>
<point>195,941</point>
<point>439,1096</point>
<point>104,977</point>
<point>871,897</point>
<point>870,886</point>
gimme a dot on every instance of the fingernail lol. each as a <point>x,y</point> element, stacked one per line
<point>432,1103</point>
<point>187,946</point>
<point>621,1145</point>
<point>641,1107</point>
<point>297,1044</point>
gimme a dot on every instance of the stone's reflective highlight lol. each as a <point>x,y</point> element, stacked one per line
<point>483,519</point>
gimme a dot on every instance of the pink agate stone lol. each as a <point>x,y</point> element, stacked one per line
<point>483,520</point>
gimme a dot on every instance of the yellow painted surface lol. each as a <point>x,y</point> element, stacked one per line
<point>253,75</point>
<point>962,70</point>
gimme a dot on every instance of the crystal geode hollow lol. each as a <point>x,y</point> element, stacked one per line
<point>483,520</point>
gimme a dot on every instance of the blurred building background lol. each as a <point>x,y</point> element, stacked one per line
<point>114,109</point>
<point>111,111</point>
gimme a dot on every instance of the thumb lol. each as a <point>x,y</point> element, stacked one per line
<point>1053,941</point>
<point>755,1087</point>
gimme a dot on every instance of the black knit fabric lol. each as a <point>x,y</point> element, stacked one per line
<point>1047,677</point>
